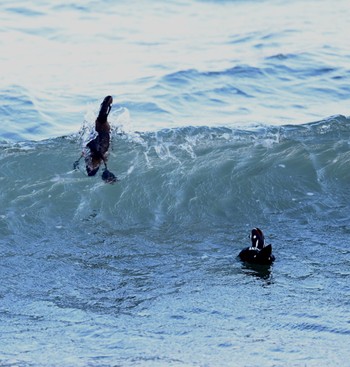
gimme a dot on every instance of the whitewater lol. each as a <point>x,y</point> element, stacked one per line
<point>227,115</point>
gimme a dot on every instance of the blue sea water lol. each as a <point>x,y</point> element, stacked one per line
<point>227,115</point>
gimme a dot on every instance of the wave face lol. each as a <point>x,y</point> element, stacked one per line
<point>190,178</point>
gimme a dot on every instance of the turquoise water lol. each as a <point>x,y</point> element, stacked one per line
<point>227,116</point>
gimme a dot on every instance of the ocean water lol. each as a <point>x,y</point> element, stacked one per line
<point>227,115</point>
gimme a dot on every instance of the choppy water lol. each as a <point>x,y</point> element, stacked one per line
<point>228,115</point>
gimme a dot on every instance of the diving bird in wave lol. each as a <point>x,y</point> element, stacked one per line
<point>96,150</point>
<point>257,253</point>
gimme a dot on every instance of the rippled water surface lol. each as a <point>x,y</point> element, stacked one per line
<point>227,115</point>
<point>174,64</point>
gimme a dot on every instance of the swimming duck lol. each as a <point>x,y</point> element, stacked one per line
<point>257,253</point>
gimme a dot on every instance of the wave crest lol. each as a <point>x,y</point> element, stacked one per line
<point>193,177</point>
